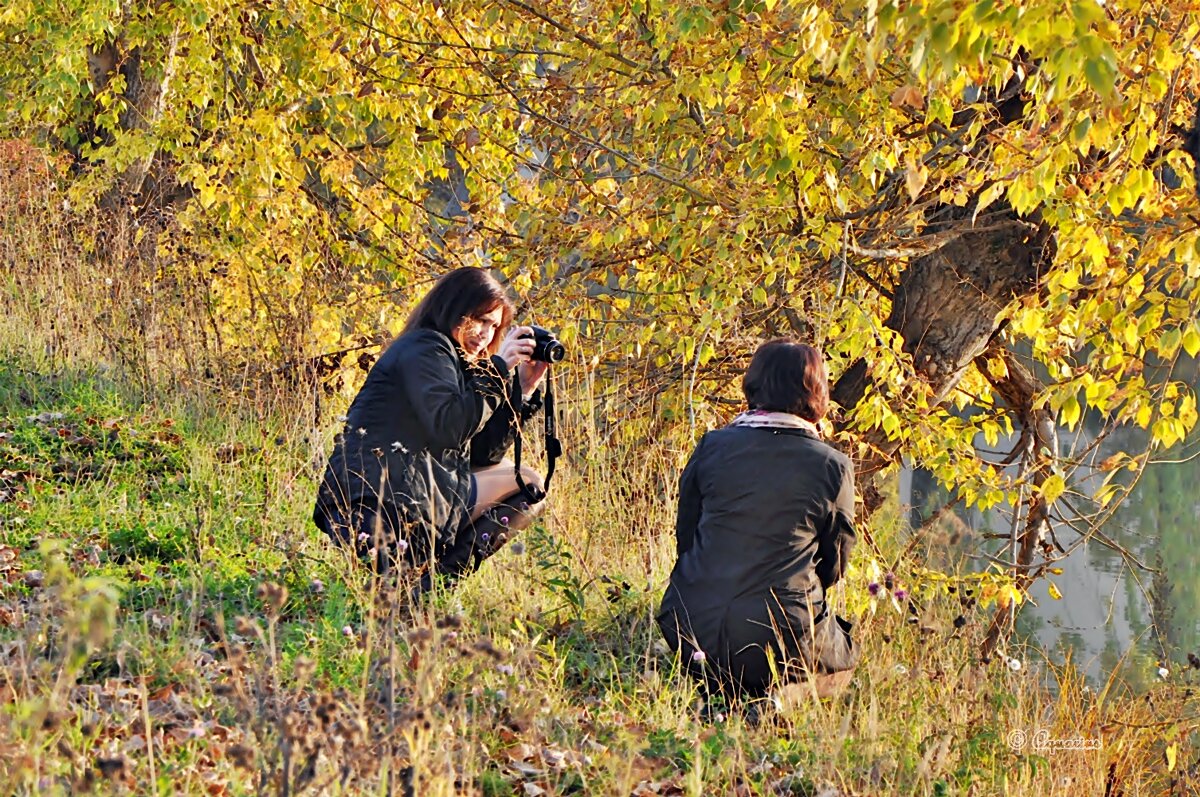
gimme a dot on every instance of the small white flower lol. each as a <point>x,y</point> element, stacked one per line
<point>108,282</point>
<point>341,418</point>
<point>398,446</point>
<point>1014,665</point>
<point>1163,672</point>
<point>362,432</point>
<point>900,669</point>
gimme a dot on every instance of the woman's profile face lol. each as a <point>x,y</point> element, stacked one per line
<point>475,333</point>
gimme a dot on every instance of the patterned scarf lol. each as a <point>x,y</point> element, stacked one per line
<point>774,420</point>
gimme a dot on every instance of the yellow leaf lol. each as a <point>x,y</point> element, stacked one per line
<point>1008,596</point>
<point>987,197</point>
<point>1031,323</point>
<point>915,176</point>
<point>1070,412</point>
<point>1054,593</point>
<point>997,368</point>
<point>1191,341</point>
<point>1053,487</point>
<point>605,186</point>
<point>1172,752</point>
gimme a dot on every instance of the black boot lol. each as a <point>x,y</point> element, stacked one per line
<point>478,539</point>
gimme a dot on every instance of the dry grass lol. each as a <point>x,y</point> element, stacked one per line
<point>171,622</point>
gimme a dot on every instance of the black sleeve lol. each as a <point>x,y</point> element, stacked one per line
<point>492,442</point>
<point>833,553</point>
<point>688,517</point>
<point>451,410</point>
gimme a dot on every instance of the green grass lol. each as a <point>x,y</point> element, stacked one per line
<point>172,623</point>
<point>141,593</point>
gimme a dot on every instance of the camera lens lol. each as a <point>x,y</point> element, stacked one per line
<point>554,352</point>
<point>547,348</point>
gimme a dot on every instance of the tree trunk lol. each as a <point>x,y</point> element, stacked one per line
<point>946,307</point>
<point>143,102</point>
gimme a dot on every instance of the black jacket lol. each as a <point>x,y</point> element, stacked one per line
<point>423,418</point>
<point>765,525</point>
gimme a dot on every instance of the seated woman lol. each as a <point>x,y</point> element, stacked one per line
<point>419,464</point>
<point>764,528</point>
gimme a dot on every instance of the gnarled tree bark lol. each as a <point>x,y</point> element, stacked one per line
<point>946,307</point>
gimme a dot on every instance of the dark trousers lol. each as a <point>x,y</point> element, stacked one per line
<point>371,531</point>
<point>751,649</point>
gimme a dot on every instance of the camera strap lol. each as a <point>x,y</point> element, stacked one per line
<point>553,444</point>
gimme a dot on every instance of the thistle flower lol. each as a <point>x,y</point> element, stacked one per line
<point>363,537</point>
<point>901,594</point>
<point>889,579</point>
<point>504,520</point>
<point>699,657</point>
<point>873,588</point>
<point>347,631</point>
<point>401,546</point>
<point>317,585</point>
<point>517,548</point>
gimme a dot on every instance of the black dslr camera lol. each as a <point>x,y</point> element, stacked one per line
<point>546,347</point>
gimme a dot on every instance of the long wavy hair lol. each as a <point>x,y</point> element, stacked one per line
<point>463,293</point>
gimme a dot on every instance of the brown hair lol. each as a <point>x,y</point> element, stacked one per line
<point>788,376</point>
<point>463,293</point>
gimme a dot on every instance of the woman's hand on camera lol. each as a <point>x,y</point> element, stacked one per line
<point>517,346</point>
<point>532,372</point>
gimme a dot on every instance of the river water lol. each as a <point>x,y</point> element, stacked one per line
<point>1113,616</point>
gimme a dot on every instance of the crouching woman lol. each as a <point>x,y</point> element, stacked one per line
<point>418,475</point>
<point>764,529</point>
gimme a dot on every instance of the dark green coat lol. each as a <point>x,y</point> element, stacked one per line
<point>765,525</point>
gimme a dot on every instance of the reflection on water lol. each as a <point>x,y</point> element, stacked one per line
<point>1113,615</point>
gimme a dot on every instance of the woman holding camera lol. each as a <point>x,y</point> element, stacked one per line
<point>764,528</point>
<point>420,461</point>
